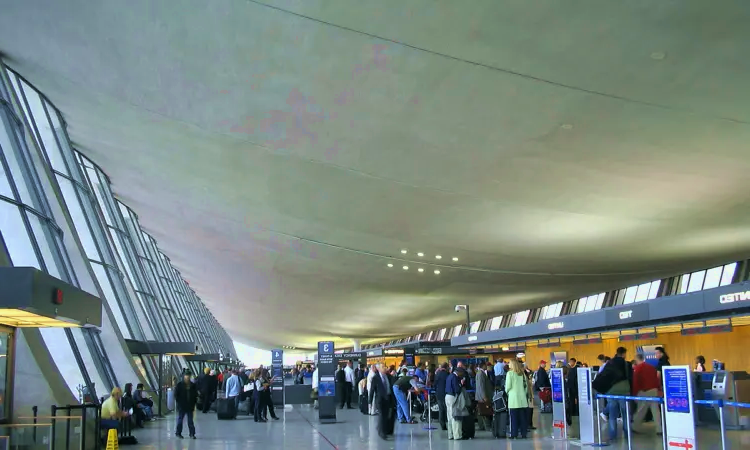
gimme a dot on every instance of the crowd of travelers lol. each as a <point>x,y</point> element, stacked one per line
<point>391,393</point>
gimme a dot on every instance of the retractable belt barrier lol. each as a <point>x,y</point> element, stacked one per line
<point>718,403</point>
<point>628,430</point>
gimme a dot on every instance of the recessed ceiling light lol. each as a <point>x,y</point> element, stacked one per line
<point>390,265</point>
<point>566,126</point>
<point>420,269</point>
<point>437,272</point>
<point>658,55</point>
<point>406,267</point>
<point>420,254</point>
<point>438,257</point>
<point>455,259</point>
<point>403,251</point>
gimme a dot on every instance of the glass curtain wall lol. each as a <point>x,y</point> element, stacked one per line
<point>147,297</point>
<point>31,235</point>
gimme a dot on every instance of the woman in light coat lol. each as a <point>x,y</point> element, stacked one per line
<point>517,388</point>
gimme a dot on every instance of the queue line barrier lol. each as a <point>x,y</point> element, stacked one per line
<point>628,429</point>
<point>718,403</point>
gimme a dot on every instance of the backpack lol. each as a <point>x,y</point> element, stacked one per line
<point>499,402</point>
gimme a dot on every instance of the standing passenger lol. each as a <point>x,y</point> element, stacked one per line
<point>516,386</point>
<point>441,376</point>
<point>186,396</point>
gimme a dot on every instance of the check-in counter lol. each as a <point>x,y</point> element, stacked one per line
<point>297,394</point>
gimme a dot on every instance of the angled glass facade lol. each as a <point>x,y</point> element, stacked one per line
<point>58,214</point>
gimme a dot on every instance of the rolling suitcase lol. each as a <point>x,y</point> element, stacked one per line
<point>225,409</point>
<point>500,425</point>
<point>364,408</point>
<point>468,428</point>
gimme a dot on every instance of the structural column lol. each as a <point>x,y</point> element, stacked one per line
<point>357,346</point>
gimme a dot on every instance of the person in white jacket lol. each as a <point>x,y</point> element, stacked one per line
<point>315,386</point>
<point>373,408</point>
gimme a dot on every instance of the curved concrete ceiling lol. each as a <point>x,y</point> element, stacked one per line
<point>281,153</point>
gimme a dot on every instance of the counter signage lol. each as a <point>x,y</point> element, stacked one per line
<point>637,337</point>
<point>374,352</point>
<point>549,344</point>
<point>734,297</point>
<point>632,313</point>
<point>707,330</point>
<point>597,340</point>
<point>277,380</point>
<point>326,382</point>
<point>429,351</point>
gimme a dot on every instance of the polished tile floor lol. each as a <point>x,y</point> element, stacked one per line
<point>299,429</point>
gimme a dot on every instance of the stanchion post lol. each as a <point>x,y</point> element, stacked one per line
<point>722,429</point>
<point>627,418</point>
<point>663,424</point>
<point>598,420</point>
<point>429,413</point>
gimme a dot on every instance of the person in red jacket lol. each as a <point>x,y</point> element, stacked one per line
<point>645,384</point>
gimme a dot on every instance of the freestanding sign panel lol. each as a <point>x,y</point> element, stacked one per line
<point>678,411</point>
<point>558,404</point>
<point>326,383</point>
<point>277,377</point>
<point>586,406</point>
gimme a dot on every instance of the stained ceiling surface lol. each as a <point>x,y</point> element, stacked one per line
<point>283,153</point>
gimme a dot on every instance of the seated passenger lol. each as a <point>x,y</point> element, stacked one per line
<point>143,401</point>
<point>128,403</point>
<point>111,411</point>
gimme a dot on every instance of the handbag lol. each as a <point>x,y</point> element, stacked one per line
<point>485,409</point>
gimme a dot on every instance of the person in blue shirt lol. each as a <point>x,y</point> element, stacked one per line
<point>421,373</point>
<point>452,390</point>
<point>234,388</point>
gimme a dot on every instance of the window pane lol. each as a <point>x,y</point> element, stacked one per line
<point>642,292</point>
<point>109,295</point>
<point>654,290</point>
<point>474,327</point>
<point>17,240</point>
<point>456,330</point>
<point>15,163</point>
<point>630,294</point>
<point>79,220</point>
<point>696,281</point>
<point>713,277</point>
<point>44,129</point>
<point>728,275</point>
<point>47,245</point>
<point>684,280</point>
<point>496,321</point>
<point>599,300</point>
<point>4,342</point>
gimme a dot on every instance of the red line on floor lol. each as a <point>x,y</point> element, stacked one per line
<point>316,430</point>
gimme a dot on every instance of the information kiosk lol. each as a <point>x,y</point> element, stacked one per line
<point>559,424</point>
<point>326,383</point>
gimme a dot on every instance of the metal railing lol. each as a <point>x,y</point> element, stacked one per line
<point>88,412</point>
<point>720,404</point>
<point>628,429</point>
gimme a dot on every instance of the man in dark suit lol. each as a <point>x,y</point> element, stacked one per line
<point>381,391</point>
<point>441,376</point>
<point>571,384</point>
